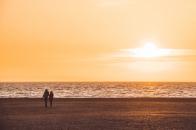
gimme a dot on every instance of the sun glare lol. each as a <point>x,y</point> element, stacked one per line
<point>150,46</point>
<point>150,50</point>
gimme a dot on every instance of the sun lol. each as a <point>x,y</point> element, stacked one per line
<point>147,51</point>
<point>150,46</point>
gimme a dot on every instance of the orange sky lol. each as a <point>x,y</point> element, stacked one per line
<point>81,40</point>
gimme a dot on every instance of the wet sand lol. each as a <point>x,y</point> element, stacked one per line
<point>99,114</point>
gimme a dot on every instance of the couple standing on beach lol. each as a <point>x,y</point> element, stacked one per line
<point>47,96</point>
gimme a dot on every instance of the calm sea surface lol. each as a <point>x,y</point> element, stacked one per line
<point>98,89</point>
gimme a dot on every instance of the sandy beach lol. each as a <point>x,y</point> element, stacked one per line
<point>99,114</point>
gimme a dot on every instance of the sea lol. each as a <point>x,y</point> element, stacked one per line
<point>98,89</point>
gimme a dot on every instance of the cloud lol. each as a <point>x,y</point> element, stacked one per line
<point>138,52</point>
<point>135,54</point>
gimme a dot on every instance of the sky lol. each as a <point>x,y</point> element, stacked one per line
<point>98,40</point>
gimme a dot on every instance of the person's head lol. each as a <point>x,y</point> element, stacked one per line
<point>51,92</point>
<point>46,90</point>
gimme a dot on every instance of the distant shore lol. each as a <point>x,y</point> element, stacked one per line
<point>98,114</point>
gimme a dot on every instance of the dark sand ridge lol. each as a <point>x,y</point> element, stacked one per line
<point>99,114</point>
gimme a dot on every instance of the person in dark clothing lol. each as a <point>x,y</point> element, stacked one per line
<point>51,96</point>
<point>45,97</point>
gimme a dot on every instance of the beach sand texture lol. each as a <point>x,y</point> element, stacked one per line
<point>99,114</point>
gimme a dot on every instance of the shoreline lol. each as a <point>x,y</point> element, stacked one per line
<point>175,99</point>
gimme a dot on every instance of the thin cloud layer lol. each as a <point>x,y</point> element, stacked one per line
<point>157,55</point>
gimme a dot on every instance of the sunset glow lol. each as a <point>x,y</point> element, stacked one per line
<point>97,40</point>
<point>150,50</point>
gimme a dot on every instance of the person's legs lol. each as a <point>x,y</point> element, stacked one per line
<point>45,102</point>
<point>50,103</point>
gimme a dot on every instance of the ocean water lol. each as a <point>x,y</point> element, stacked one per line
<point>98,89</point>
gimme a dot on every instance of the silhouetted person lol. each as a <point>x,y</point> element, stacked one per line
<point>51,96</point>
<point>45,96</point>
